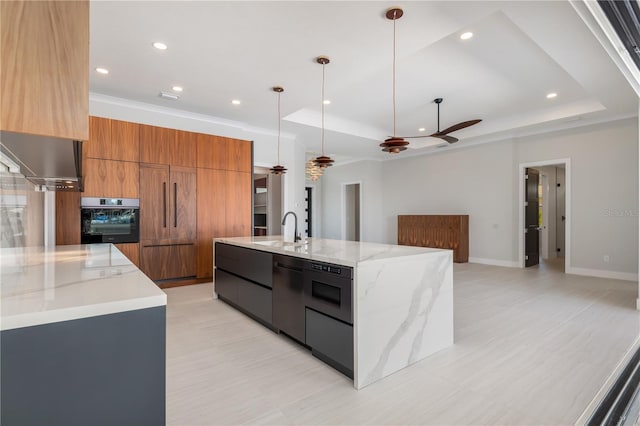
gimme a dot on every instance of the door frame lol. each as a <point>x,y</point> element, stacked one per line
<point>343,209</point>
<point>567,209</point>
<point>544,232</point>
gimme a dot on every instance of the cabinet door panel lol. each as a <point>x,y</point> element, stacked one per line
<point>238,204</point>
<point>45,68</point>
<point>98,145</point>
<point>183,203</point>
<point>108,178</point>
<point>67,218</point>
<point>211,152</point>
<point>184,149</point>
<point>125,141</point>
<point>156,144</point>
<point>211,189</point>
<point>155,214</point>
<point>154,261</point>
<point>131,251</point>
<point>239,155</point>
<point>182,261</point>
<point>128,176</point>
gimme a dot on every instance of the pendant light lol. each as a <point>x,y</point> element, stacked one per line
<point>278,170</point>
<point>323,161</point>
<point>394,144</point>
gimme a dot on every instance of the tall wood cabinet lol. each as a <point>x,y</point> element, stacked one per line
<point>167,203</point>
<point>192,188</point>
<point>44,75</point>
<point>167,221</point>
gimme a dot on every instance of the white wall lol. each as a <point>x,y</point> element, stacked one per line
<point>482,181</point>
<point>264,142</point>
<point>368,174</point>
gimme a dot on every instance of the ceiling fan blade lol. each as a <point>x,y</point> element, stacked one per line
<point>413,137</point>
<point>448,138</point>
<point>459,126</point>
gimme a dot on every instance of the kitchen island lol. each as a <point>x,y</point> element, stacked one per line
<point>367,309</point>
<point>83,338</point>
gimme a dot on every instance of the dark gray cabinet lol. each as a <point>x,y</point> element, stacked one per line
<point>330,340</point>
<point>288,296</point>
<point>309,301</point>
<point>253,265</point>
<point>243,278</point>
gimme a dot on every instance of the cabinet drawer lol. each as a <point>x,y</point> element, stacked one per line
<point>253,265</point>
<point>330,340</point>
<point>162,262</point>
<point>256,300</point>
<point>227,285</point>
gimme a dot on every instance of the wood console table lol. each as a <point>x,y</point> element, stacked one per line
<point>436,231</point>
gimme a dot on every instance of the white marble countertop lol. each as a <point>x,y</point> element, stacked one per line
<point>340,252</point>
<point>42,285</point>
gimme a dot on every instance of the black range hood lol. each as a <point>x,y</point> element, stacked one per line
<point>54,164</point>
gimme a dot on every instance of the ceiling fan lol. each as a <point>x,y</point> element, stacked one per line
<point>444,134</point>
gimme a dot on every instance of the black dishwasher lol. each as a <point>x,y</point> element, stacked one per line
<point>288,296</point>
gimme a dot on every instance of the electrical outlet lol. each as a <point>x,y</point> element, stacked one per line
<point>606,258</point>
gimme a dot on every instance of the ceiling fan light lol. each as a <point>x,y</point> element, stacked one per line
<point>394,145</point>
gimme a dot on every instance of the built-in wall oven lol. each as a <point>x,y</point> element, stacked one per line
<point>328,290</point>
<point>109,220</point>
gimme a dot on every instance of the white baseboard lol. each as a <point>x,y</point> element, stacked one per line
<point>601,273</point>
<point>495,262</point>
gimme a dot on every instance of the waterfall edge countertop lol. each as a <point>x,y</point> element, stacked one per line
<point>402,298</point>
<point>42,285</point>
<point>341,252</point>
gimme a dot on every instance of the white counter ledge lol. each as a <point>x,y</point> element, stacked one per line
<point>402,298</point>
<point>340,252</point>
<point>40,285</point>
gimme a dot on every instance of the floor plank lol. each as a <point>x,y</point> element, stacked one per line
<point>532,346</point>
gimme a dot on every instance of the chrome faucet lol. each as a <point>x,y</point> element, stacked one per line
<point>296,236</point>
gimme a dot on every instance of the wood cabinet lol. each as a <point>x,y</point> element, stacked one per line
<point>437,231</point>
<point>157,144</point>
<point>154,202</point>
<point>131,251</point>
<point>184,150</point>
<point>223,211</point>
<point>167,221</point>
<point>212,190</point>
<point>110,178</point>
<point>167,203</point>
<point>217,152</point>
<point>44,71</point>
<point>112,140</point>
<point>163,262</point>
<point>67,218</point>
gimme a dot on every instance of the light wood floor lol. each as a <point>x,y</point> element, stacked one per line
<point>532,346</point>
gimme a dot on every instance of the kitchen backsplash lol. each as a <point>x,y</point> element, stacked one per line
<point>21,212</point>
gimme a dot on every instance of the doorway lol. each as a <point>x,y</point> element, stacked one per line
<point>544,217</point>
<point>351,211</point>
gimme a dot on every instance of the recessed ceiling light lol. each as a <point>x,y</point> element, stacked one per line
<point>551,95</point>
<point>102,70</point>
<point>235,102</point>
<point>466,36</point>
<point>177,89</point>
<point>421,129</point>
<point>326,102</point>
<point>170,96</point>
<point>160,46</point>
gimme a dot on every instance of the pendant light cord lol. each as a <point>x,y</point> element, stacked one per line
<point>323,65</point>
<point>394,76</point>
<point>279,119</point>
